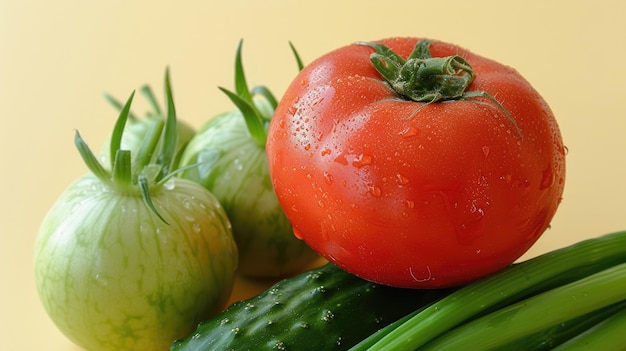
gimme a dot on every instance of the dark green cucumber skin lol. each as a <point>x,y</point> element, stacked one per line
<point>322,309</point>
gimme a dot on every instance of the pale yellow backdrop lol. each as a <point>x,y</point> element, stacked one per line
<point>58,57</point>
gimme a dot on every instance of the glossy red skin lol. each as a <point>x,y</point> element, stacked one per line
<point>426,199</point>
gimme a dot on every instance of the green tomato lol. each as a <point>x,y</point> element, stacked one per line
<point>229,151</point>
<point>132,258</point>
<point>113,276</point>
<point>230,161</point>
<point>233,167</point>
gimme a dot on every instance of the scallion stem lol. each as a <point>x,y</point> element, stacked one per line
<point>553,336</point>
<point>524,318</point>
<point>512,284</point>
<point>607,335</point>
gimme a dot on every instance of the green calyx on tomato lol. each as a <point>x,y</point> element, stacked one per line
<point>137,129</point>
<point>147,169</point>
<point>423,78</point>
<point>256,121</point>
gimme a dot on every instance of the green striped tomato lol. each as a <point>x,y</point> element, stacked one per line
<point>113,276</point>
<point>130,257</point>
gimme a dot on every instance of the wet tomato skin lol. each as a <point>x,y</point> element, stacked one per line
<point>410,195</point>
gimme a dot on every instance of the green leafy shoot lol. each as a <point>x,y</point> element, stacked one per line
<point>118,131</point>
<point>253,117</point>
<point>170,136</point>
<point>118,105</point>
<point>243,98</point>
<point>146,150</point>
<point>144,186</point>
<point>91,161</point>
<point>148,93</point>
<point>146,90</point>
<point>241,84</point>
<point>297,56</point>
<point>149,168</point>
<point>267,94</point>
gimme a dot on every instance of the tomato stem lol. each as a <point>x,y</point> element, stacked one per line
<point>423,78</point>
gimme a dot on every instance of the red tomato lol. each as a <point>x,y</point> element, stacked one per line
<point>415,194</point>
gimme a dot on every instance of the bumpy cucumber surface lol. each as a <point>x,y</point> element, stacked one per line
<point>322,309</point>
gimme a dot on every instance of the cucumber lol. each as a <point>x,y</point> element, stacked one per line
<point>323,309</point>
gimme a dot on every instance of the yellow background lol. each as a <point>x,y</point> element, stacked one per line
<point>58,57</point>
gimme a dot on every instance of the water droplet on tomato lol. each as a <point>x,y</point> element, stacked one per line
<point>402,180</point>
<point>409,203</point>
<point>326,152</point>
<point>547,178</point>
<point>328,178</point>
<point>524,183</point>
<point>307,147</point>
<point>362,160</point>
<point>375,191</point>
<point>297,233</point>
<point>482,180</point>
<point>471,223</point>
<point>409,131</point>
<point>320,203</point>
<point>325,232</point>
<point>472,229</point>
<point>486,150</point>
